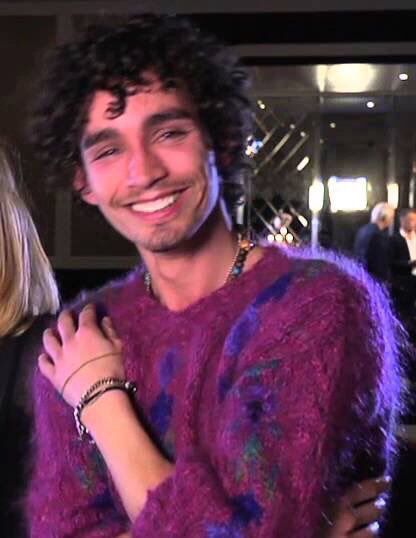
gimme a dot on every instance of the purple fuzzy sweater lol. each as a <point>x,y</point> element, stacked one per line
<point>271,395</point>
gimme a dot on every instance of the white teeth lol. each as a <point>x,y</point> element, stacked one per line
<point>155,205</point>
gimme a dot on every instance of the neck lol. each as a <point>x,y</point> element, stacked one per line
<point>196,269</point>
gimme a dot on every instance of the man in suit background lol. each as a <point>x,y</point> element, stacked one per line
<point>403,265</point>
<point>371,244</point>
<point>403,245</point>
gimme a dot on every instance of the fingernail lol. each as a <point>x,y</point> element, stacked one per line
<point>385,479</point>
<point>380,502</point>
<point>374,527</point>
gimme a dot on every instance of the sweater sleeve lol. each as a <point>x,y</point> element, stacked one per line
<point>69,493</point>
<point>301,409</point>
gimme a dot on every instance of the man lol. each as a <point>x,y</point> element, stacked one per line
<point>371,244</point>
<point>403,245</point>
<point>266,384</point>
<point>403,266</point>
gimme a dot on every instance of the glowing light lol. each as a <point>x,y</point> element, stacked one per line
<point>316,196</point>
<point>261,104</point>
<point>292,126</point>
<point>270,238</point>
<point>393,194</point>
<point>302,134</point>
<point>303,163</point>
<point>321,74</point>
<point>253,147</point>
<point>289,238</point>
<point>350,77</point>
<point>347,194</point>
<point>283,230</point>
<point>403,76</point>
<point>370,104</point>
<point>303,221</point>
<point>277,222</point>
<point>279,238</point>
<point>332,125</point>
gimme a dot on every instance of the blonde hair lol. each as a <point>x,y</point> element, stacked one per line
<point>27,284</point>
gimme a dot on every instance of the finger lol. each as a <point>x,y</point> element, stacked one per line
<point>46,366</point>
<point>109,330</point>
<point>87,316</point>
<point>367,490</point>
<point>369,532</point>
<point>51,344</point>
<point>66,325</point>
<point>369,512</point>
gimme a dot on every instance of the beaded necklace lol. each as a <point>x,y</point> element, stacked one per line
<point>244,246</point>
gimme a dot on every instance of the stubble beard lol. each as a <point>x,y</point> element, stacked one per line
<point>162,240</point>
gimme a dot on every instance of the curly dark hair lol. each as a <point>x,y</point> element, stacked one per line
<point>114,58</point>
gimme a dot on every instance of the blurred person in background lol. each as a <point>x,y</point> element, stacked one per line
<point>403,268</point>
<point>371,245</point>
<point>28,298</point>
<point>403,245</point>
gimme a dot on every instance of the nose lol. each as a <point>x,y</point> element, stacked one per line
<point>145,168</point>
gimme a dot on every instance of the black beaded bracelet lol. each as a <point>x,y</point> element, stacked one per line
<point>94,392</point>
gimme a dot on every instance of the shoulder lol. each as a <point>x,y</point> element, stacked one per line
<point>114,294</point>
<point>397,239</point>
<point>317,274</point>
<point>325,289</point>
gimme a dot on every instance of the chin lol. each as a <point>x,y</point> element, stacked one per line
<point>162,241</point>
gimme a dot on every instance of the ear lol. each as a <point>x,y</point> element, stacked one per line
<point>81,187</point>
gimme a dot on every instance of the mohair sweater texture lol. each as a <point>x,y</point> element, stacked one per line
<point>270,395</point>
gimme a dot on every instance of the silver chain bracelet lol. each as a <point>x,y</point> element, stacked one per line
<point>94,392</point>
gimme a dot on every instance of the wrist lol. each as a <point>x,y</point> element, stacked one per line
<point>96,391</point>
<point>108,404</point>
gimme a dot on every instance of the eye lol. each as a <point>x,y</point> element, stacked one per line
<point>108,152</point>
<point>171,134</point>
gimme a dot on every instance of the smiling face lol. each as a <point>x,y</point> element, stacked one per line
<point>150,170</point>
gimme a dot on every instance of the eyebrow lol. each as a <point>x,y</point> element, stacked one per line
<point>110,134</point>
<point>168,115</point>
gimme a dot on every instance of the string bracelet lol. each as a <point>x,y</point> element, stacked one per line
<point>68,379</point>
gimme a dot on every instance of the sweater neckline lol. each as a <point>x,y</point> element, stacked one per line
<point>249,282</point>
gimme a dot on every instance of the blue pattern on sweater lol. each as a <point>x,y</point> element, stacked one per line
<point>275,291</point>
<point>246,510</point>
<point>161,413</point>
<point>169,365</point>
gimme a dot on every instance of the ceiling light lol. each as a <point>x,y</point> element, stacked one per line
<point>261,104</point>
<point>332,125</point>
<point>304,162</point>
<point>370,104</point>
<point>350,77</point>
<point>316,196</point>
<point>403,76</point>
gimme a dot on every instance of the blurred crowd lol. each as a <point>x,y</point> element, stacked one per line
<point>390,256</point>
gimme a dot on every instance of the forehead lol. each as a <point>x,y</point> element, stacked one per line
<point>411,215</point>
<point>147,101</point>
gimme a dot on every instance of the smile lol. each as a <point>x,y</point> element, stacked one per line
<point>155,205</point>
